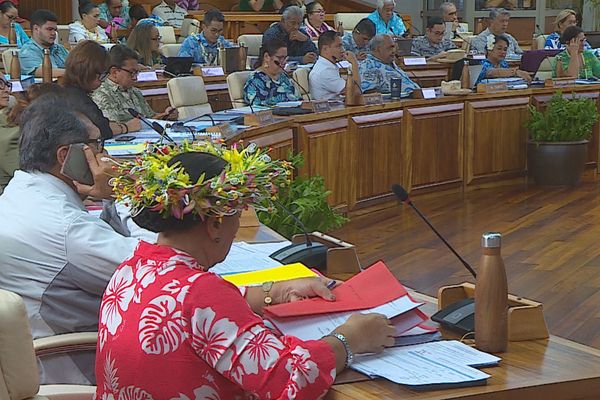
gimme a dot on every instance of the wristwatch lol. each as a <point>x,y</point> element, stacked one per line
<point>266,287</point>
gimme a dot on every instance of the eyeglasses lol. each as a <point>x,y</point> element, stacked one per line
<point>5,85</point>
<point>97,143</point>
<point>438,33</point>
<point>102,76</point>
<point>156,39</point>
<point>132,73</point>
<point>318,12</point>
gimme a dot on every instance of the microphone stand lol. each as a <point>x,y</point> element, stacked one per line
<point>155,126</point>
<point>291,76</point>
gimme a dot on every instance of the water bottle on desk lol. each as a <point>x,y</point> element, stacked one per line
<point>15,66</point>
<point>47,67</point>
<point>491,297</point>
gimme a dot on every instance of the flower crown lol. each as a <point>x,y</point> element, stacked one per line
<point>249,178</point>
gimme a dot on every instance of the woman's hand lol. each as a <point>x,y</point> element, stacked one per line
<point>574,46</point>
<point>300,289</point>
<point>368,333</point>
<point>523,75</point>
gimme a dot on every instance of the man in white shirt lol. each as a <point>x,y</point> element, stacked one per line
<point>53,253</point>
<point>324,79</point>
<point>170,12</point>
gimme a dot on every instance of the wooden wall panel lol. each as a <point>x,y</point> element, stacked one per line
<point>62,8</point>
<point>379,155</point>
<point>280,141</point>
<point>434,145</point>
<point>329,151</point>
<point>495,137</point>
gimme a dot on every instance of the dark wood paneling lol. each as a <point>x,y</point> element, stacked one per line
<point>434,145</point>
<point>62,9</point>
<point>495,137</point>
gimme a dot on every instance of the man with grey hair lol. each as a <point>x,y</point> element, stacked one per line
<point>386,21</point>
<point>53,253</point>
<point>379,68</point>
<point>449,13</point>
<point>299,46</point>
<point>498,24</point>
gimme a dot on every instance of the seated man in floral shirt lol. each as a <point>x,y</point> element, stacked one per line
<point>379,67</point>
<point>204,48</point>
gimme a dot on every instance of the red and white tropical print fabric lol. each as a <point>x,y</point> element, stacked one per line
<point>170,331</point>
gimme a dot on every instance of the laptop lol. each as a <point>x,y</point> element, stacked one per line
<point>531,60</point>
<point>178,66</point>
<point>403,46</point>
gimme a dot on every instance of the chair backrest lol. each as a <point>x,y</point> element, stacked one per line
<point>188,27</point>
<point>546,69</point>
<point>301,76</point>
<point>7,56</point>
<point>170,50</point>
<point>348,20</point>
<point>168,34</point>
<point>17,358</point>
<point>541,41</point>
<point>467,41</point>
<point>63,35</point>
<point>188,95</point>
<point>252,42</point>
<point>235,86</point>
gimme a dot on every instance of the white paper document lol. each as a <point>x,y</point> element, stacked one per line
<point>247,257</point>
<point>434,363</point>
<point>316,326</point>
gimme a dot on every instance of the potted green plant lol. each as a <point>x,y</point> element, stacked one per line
<point>558,139</point>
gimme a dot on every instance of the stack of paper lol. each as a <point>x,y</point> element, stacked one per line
<point>373,290</point>
<point>248,257</point>
<point>432,365</point>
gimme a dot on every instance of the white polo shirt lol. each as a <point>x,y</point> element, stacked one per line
<point>172,17</point>
<point>325,80</point>
<point>59,258</point>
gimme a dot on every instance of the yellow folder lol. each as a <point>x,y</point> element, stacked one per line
<point>283,273</point>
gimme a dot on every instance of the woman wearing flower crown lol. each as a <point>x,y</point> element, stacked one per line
<point>171,329</point>
<point>495,65</point>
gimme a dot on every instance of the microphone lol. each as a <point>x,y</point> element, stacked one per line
<point>401,193</point>
<point>291,76</point>
<point>153,125</point>
<point>180,123</point>
<point>412,26</point>
<point>308,253</point>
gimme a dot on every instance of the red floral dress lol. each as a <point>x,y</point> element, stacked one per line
<point>170,331</point>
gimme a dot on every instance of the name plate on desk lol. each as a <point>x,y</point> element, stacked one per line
<point>259,118</point>
<point>212,71</point>
<point>224,129</point>
<point>559,82</point>
<point>373,99</point>
<point>147,76</point>
<point>425,93</point>
<point>492,87</point>
<point>316,106</point>
<point>414,61</point>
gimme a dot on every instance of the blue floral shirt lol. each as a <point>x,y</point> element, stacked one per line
<point>197,46</point>
<point>395,25</point>
<point>261,90</point>
<point>553,43</point>
<point>376,75</point>
<point>105,14</point>
<point>32,56</point>
<point>487,65</point>
<point>22,37</point>
<point>350,45</point>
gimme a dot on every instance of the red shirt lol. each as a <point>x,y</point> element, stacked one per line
<point>169,330</point>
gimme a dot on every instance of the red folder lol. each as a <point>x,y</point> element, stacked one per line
<point>372,287</point>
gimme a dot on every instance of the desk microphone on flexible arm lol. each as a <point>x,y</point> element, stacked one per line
<point>152,125</point>
<point>459,316</point>
<point>311,254</point>
<point>291,76</point>
<point>337,62</point>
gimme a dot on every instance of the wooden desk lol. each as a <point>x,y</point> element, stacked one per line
<point>553,369</point>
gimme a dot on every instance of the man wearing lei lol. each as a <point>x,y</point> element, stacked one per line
<point>204,48</point>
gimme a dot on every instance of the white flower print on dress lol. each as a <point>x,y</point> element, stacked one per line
<point>117,297</point>
<point>134,393</point>
<point>302,369</point>
<point>258,347</point>
<point>210,337</point>
<point>161,327</point>
<point>204,392</point>
<point>111,385</point>
<point>175,289</point>
<point>225,366</point>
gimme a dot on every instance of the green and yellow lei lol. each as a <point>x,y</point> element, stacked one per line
<point>249,178</point>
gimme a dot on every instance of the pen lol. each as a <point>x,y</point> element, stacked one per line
<point>331,284</point>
